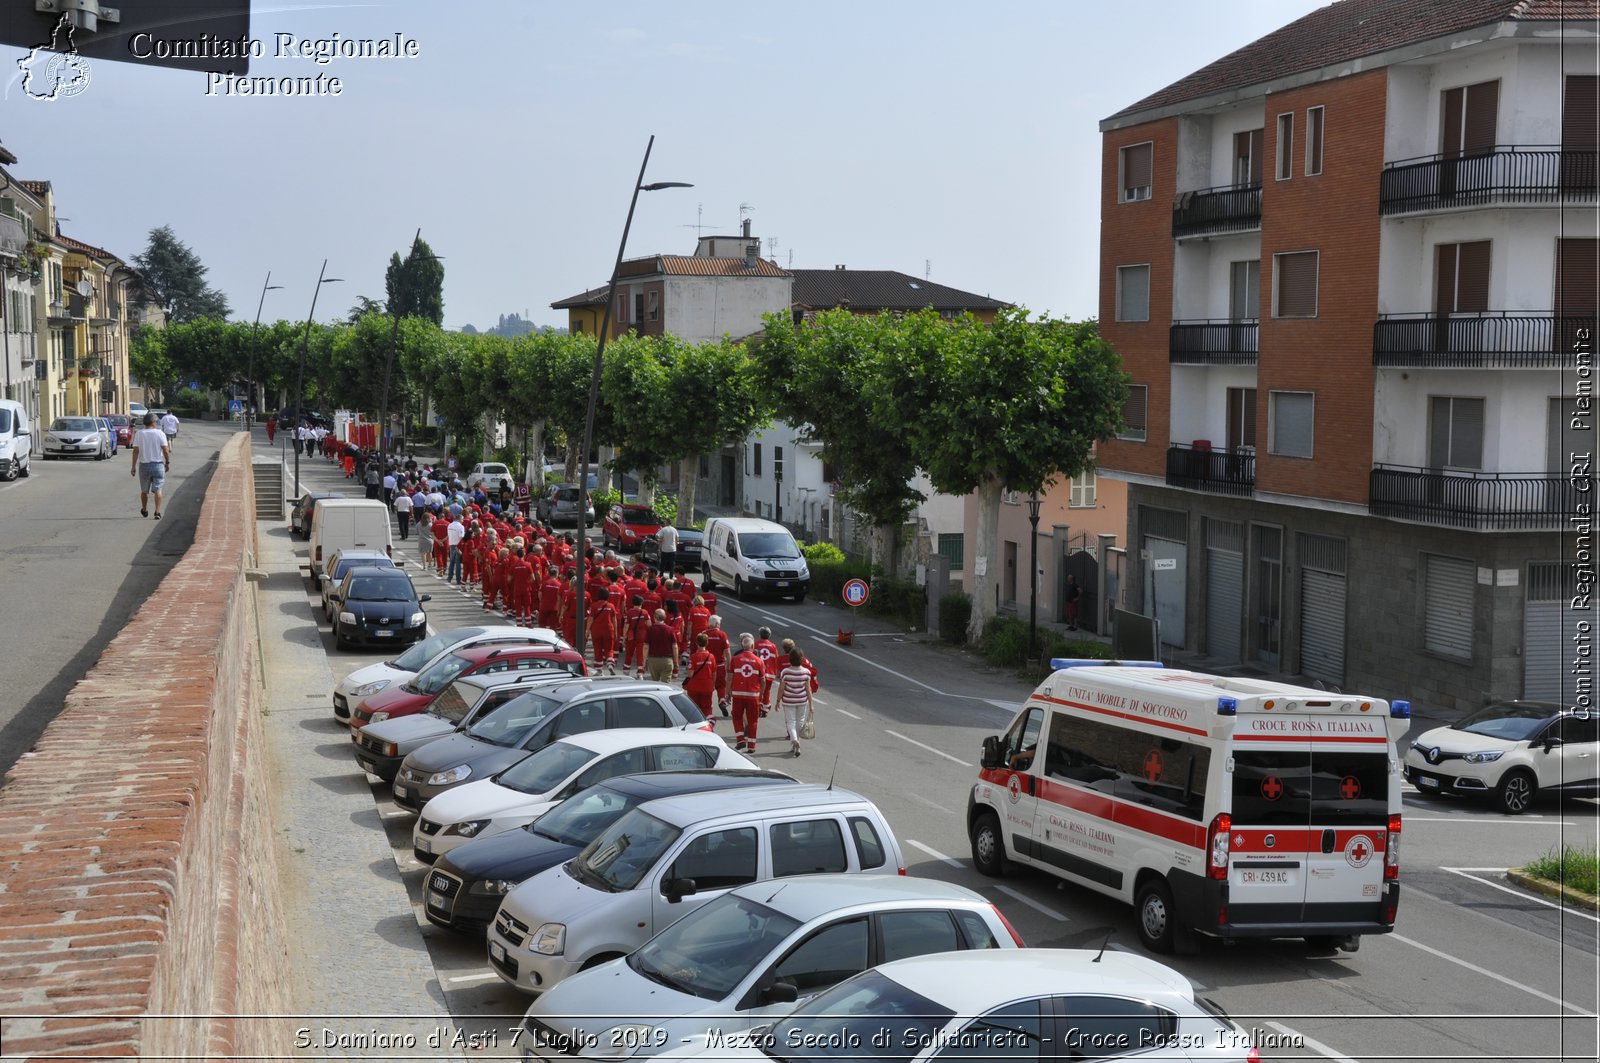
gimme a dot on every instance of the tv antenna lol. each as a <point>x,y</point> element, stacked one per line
<point>927,269</point>
<point>772,248</point>
<point>699,211</point>
<point>745,208</point>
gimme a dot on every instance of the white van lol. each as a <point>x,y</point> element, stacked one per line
<point>16,439</point>
<point>747,554</point>
<point>665,858</point>
<point>349,524</point>
<point>1224,807</point>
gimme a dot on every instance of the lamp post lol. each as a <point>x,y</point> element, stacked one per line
<point>300,385</point>
<point>250,398</point>
<point>1033,569</point>
<point>594,383</point>
<point>388,365</point>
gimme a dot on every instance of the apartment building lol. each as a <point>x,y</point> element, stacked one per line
<point>1351,269</point>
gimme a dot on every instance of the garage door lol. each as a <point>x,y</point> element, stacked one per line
<point>1322,607</point>
<point>1225,590</point>
<point>1550,627</point>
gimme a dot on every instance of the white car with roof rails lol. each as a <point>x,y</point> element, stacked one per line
<point>364,682</point>
<point>1509,752</point>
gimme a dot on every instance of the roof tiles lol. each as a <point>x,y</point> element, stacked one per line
<point>881,289</point>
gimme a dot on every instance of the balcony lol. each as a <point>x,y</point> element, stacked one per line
<point>1227,472</point>
<point>1502,340</point>
<point>1502,501</point>
<point>1225,209</point>
<point>1504,175</point>
<point>1215,342</point>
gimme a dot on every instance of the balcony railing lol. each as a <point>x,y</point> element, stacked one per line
<point>1505,501</point>
<point>1215,342</point>
<point>1228,472</point>
<point>1227,209</point>
<point>1514,174</point>
<point>1501,340</point>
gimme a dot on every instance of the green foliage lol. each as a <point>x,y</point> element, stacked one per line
<point>1005,645</point>
<point>511,458</point>
<point>175,277</point>
<point>415,286</point>
<point>822,553</point>
<point>829,577</point>
<point>955,610</point>
<point>604,500</point>
<point>147,358</point>
<point>1573,867</point>
<point>666,507</point>
<point>1005,642</point>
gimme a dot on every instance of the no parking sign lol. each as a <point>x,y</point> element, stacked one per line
<point>856,592</point>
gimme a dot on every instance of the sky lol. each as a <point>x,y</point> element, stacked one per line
<point>954,141</point>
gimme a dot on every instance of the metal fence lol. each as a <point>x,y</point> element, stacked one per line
<point>1228,208</point>
<point>1505,174</point>
<point>1476,501</point>
<point>1229,472</point>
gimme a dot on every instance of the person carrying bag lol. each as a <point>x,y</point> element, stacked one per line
<point>793,689</point>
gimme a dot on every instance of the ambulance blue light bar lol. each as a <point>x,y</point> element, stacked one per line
<point>1400,710</point>
<point>1227,706</point>
<point>1091,662</point>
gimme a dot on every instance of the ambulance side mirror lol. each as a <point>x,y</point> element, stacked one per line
<point>992,757</point>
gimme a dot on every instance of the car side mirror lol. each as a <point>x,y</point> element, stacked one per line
<point>426,598</point>
<point>676,889</point>
<point>1552,742</point>
<point>991,757</point>
<point>780,993</point>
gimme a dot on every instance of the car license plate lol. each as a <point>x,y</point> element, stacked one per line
<point>425,845</point>
<point>1266,878</point>
<point>1427,782</point>
<point>436,900</point>
<point>401,792</point>
<point>497,950</point>
<point>382,634</point>
<point>367,765</point>
<point>783,583</point>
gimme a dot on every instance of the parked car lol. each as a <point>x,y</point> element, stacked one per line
<point>1510,752</point>
<point>665,859</point>
<point>1036,1004</point>
<point>16,439</point>
<point>466,884</point>
<point>304,509</point>
<point>136,412</point>
<point>539,718</point>
<point>76,437</point>
<point>492,475</point>
<point>377,606</point>
<point>417,693</point>
<point>122,424</point>
<point>364,682</point>
<point>749,955</point>
<point>690,541</point>
<point>349,523</point>
<point>380,748</point>
<point>343,561</point>
<point>559,505</point>
<point>529,788</point>
<point>626,527</point>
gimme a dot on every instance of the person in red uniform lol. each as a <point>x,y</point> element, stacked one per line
<point>635,624</point>
<point>747,676</point>
<point>550,600</point>
<point>471,544</point>
<point>603,623</point>
<point>717,643</point>
<point>767,650</point>
<point>441,541</point>
<point>700,683</point>
<point>491,572</point>
<point>272,428</point>
<point>521,573</point>
<point>651,595</point>
<point>569,609</point>
<point>699,619</point>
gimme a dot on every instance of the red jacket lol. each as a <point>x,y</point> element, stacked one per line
<point>702,675</point>
<point>747,675</point>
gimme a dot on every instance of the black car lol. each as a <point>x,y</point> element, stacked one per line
<point>377,607</point>
<point>466,885</point>
<point>689,542</point>
<point>304,507</point>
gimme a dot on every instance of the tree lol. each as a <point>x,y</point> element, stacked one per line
<point>176,279</point>
<point>415,286</point>
<point>147,359</point>
<point>364,306</point>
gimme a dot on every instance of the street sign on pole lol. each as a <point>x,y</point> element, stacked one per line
<point>856,592</point>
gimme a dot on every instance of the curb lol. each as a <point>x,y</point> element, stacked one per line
<point>1576,898</point>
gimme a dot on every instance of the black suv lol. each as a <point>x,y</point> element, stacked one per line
<point>377,607</point>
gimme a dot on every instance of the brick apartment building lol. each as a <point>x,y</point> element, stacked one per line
<point>1351,268</point>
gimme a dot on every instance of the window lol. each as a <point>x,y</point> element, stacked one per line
<point>1286,146</point>
<point>808,847</point>
<point>1455,433</point>
<point>1165,774</point>
<point>869,847</point>
<point>1468,118</point>
<point>622,307</point>
<point>1080,494</point>
<point>953,547</point>
<point>683,758</point>
<point>1137,166</point>
<point>827,957</point>
<point>1247,151</point>
<point>1114,1026</point>
<point>1244,290</point>
<point>829,475</point>
<point>977,932</point>
<point>719,860</point>
<point>1448,586</point>
<point>1133,413</point>
<point>1461,278</point>
<point>917,934</point>
<point>1313,140</point>
<point>755,460</point>
<point>1133,293</point>
<point>577,325</point>
<point>1294,290</point>
<point>777,463</point>
<point>639,711</point>
<point>638,307</point>
<point>653,306</point>
<point>1292,416</point>
<point>580,719</point>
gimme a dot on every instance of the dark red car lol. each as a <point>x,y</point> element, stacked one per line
<point>629,525</point>
<point>417,694</point>
<point>122,424</point>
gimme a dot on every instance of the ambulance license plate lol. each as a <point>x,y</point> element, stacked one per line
<point>1251,876</point>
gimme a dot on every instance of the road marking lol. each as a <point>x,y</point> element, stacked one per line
<point>930,749</point>
<point>933,805</point>
<point>1502,979</point>
<point>1529,896</point>
<point>842,712</point>
<point>1312,1043</point>
<point>936,854</point>
<point>489,976</point>
<point>1035,905</point>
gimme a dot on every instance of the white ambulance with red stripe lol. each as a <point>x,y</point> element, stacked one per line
<point>1218,806</point>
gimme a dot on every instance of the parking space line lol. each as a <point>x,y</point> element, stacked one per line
<point>1462,871</point>
<point>931,804</point>
<point>1311,1043</point>
<point>930,749</point>
<point>484,976</point>
<point>1035,905</point>
<point>842,712</point>
<point>1502,979</point>
<point>936,854</point>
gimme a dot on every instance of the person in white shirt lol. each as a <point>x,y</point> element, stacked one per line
<point>152,458</point>
<point>454,534</point>
<point>402,510</point>
<point>388,488</point>
<point>667,537</point>
<point>169,427</point>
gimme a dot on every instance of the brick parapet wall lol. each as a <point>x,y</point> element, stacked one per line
<point>141,872</point>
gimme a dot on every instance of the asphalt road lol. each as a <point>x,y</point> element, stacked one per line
<point>78,560</point>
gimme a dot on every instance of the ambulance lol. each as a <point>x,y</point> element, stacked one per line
<point>1218,806</point>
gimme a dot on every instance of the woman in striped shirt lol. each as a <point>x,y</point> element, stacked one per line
<point>793,691</point>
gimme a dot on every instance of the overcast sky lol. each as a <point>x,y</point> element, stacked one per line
<point>954,140</point>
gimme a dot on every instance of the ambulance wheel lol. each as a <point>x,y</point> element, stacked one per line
<point>1514,795</point>
<point>1155,915</point>
<point>989,846</point>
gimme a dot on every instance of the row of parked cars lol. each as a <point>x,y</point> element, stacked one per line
<point>658,892</point>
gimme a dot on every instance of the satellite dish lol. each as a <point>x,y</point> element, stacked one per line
<point>85,289</point>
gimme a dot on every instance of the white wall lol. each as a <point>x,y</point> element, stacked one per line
<point>707,308</point>
<point>1201,274</point>
<point>1224,125</point>
<point>1202,409</point>
<point>1516,408</point>
<point>801,470</point>
<point>1522,255</point>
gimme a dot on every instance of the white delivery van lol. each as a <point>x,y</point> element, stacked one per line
<point>747,554</point>
<point>1218,806</point>
<point>16,439</point>
<point>349,524</point>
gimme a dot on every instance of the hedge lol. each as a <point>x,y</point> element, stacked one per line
<point>902,601</point>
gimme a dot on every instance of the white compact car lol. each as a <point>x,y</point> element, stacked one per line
<point>365,682</point>
<point>531,787</point>
<point>1510,752</point>
<point>76,437</point>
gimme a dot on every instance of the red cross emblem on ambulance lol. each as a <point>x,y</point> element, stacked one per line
<point>1152,765</point>
<point>1271,788</point>
<point>1358,850</point>
<point>1349,787</point>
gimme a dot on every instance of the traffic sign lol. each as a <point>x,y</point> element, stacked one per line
<point>856,592</point>
<point>235,406</point>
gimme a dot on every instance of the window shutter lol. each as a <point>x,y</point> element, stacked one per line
<point>1297,284</point>
<point>1133,302</point>
<point>1444,279</point>
<point>1447,623</point>
<point>1292,423</point>
<point>1580,111</point>
<point>1466,433</point>
<point>1472,278</point>
<point>1483,106</point>
<point>1450,121</point>
<point>1438,432</point>
<point>1137,168</point>
<point>1134,411</point>
<point>1285,146</point>
<point>1314,116</point>
<point>1577,278</point>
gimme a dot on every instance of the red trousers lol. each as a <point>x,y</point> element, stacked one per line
<point>605,647</point>
<point>746,711</point>
<point>550,618</point>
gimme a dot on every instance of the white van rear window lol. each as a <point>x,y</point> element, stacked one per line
<point>1167,774</point>
<point>1284,788</point>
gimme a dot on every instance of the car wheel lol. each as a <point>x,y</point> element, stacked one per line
<point>705,576</point>
<point>11,471</point>
<point>738,588</point>
<point>989,846</point>
<point>799,598</point>
<point>1155,915</point>
<point>1515,793</point>
<point>27,469</point>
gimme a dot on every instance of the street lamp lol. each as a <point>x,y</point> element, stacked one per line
<point>300,385</point>
<point>594,383</point>
<point>388,366</point>
<point>1033,569</point>
<point>250,399</point>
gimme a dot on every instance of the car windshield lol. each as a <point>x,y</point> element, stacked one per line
<point>767,544</point>
<point>73,424</point>
<point>513,722</point>
<point>380,589</point>
<point>567,494</point>
<point>1513,723</point>
<point>5,420</point>
<point>496,470</point>
<point>580,818</point>
<point>710,951</point>
<point>621,856</point>
<point>546,769</point>
<point>640,516</point>
<point>345,564</point>
<point>836,1024</point>
<point>422,652</point>
<point>120,421</point>
<point>441,674</point>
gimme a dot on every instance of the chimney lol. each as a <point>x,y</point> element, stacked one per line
<point>838,267</point>
<point>752,250</point>
<point>746,231</point>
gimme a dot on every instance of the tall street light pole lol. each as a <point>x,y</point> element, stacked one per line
<point>250,399</point>
<point>1033,569</point>
<point>300,386</point>
<point>388,366</point>
<point>594,383</point>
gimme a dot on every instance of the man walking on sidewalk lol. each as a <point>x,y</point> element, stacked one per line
<point>152,458</point>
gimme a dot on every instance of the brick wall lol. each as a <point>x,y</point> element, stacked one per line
<point>141,871</point>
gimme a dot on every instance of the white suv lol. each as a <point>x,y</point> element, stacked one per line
<point>1509,752</point>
